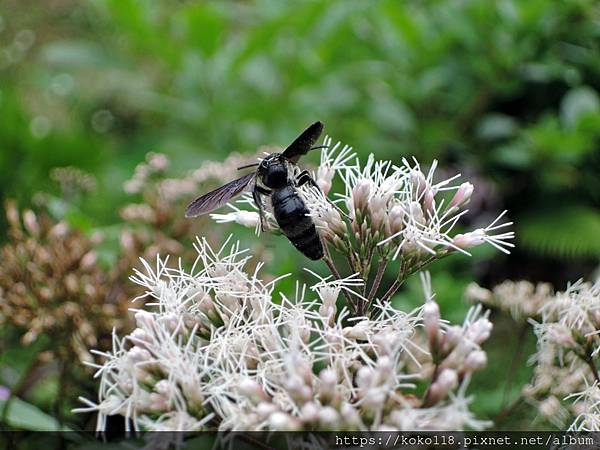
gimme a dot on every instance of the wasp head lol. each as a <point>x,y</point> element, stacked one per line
<point>273,171</point>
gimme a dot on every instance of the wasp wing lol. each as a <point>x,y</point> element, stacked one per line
<point>304,142</point>
<point>219,197</point>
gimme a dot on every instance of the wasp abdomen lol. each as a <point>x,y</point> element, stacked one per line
<point>291,214</point>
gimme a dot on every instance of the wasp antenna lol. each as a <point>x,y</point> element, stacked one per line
<point>247,165</point>
<point>318,147</point>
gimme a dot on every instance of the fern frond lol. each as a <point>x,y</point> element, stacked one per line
<point>572,232</point>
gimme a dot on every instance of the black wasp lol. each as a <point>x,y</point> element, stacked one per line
<point>277,176</point>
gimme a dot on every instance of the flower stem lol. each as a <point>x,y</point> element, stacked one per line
<point>590,362</point>
<point>585,354</point>
<point>337,275</point>
<point>507,410</point>
<point>378,277</point>
<point>392,290</point>
<point>403,275</point>
<point>515,360</point>
<point>427,395</point>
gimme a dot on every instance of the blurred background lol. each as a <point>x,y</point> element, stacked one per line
<point>111,112</point>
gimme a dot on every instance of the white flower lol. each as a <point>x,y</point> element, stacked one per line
<point>462,196</point>
<point>218,347</point>
<point>589,418</point>
<point>451,416</point>
<point>522,299</point>
<point>484,235</point>
<point>332,160</point>
<point>221,347</point>
<point>249,219</point>
<point>445,382</point>
<point>397,207</point>
<point>568,344</point>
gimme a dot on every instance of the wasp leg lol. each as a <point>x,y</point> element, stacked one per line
<point>304,177</point>
<point>256,195</point>
<point>262,190</point>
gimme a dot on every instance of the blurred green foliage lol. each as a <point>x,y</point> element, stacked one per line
<point>504,91</point>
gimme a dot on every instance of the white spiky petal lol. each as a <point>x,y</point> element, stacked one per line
<point>217,345</point>
<point>399,208</point>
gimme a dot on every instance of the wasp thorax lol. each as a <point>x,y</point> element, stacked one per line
<point>273,172</point>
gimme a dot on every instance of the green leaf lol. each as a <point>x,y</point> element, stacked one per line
<point>513,154</point>
<point>496,126</point>
<point>25,416</point>
<point>570,231</point>
<point>577,103</point>
<point>16,358</point>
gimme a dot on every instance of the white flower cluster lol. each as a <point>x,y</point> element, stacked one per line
<point>220,350</point>
<point>568,345</point>
<point>398,208</point>
<point>384,213</point>
<point>521,299</point>
<point>587,405</point>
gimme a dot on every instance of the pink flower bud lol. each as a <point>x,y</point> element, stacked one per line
<point>193,393</point>
<point>31,223</point>
<point>310,412</point>
<point>462,196</point>
<point>361,194</point>
<point>279,421</point>
<point>328,378</point>
<point>561,336</point>
<point>266,409</point>
<point>476,360</point>
<point>171,321</point>
<point>374,399</point>
<point>329,417</point>
<point>158,402</point>
<point>304,370</point>
<point>358,331</point>
<point>60,230</point>
<point>452,337</point>
<point>144,319</point>
<point>384,368</point>
<point>88,260</point>
<point>416,213</point>
<point>137,354</point>
<point>127,241</point>
<point>448,379</point>
<point>395,220</point>
<point>469,240</point>
<point>445,382</point>
<point>158,161</point>
<point>140,337</point>
<point>163,387</point>
<point>479,331</point>
<point>364,377</point>
<point>549,407</point>
<point>376,208</point>
<point>350,415</point>
<point>429,201</point>
<point>324,177</point>
<point>252,389</point>
<point>477,293</point>
<point>419,182</point>
<point>431,318</point>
